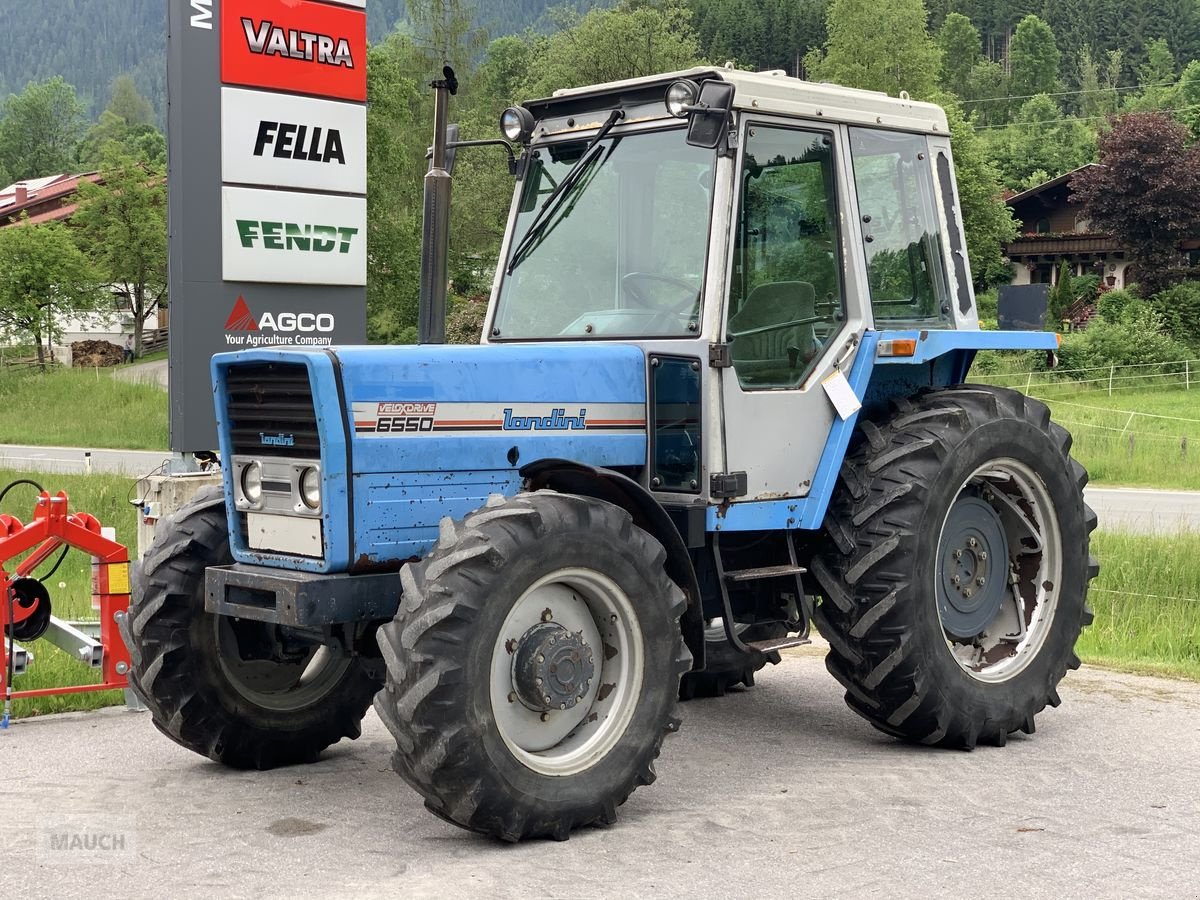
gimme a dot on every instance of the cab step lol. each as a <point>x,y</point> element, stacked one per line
<point>783,643</point>
<point>764,572</point>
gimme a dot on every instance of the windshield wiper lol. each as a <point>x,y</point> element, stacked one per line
<point>554,202</point>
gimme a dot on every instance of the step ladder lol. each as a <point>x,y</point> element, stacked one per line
<point>799,607</point>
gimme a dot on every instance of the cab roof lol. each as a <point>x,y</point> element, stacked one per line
<point>773,92</point>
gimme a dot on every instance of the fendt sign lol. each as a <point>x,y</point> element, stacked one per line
<point>268,181</point>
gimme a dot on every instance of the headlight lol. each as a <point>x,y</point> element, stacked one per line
<point>516,124</point>
<point>681,95</point>
<point>310,488</point>
<point>252,482</point>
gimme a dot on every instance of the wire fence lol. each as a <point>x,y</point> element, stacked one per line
<point>1184,373</point>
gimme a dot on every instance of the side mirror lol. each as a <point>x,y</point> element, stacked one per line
<point>708,121</point>
<point>451,147</point>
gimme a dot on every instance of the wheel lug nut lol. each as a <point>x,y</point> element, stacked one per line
<point>983,556</point>
<point>958,554</point>
<point>562,706</point>
<point>956,580</point>
<point>541,658</point>
<point>512,696</point>
<point>971,542</point>
<point>547,615</point>
<point>545,717</point>
<point>537,681</point>
<point>546,698</point>
<point>981,581</point>
<point>967,593</point>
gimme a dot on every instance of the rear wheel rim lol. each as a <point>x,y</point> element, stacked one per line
<point>600,626</point>
<point>276,685</point>
<point>998,570</point>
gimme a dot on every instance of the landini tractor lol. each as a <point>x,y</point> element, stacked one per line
<point>721,395</point>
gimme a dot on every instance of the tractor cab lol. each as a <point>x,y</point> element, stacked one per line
<point>754,223</point>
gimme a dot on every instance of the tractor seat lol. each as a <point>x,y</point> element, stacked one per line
<point>765,356</point>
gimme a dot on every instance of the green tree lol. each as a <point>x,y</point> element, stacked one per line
<point>1040,138</point>
<point>636,38</point>
<point>961,50</point>
<point>987,220</point>
<point>40,128</point>
<point>987,90</point>
<point>122,226</point>
<point>128,103</point>
<point>1098,84</point>
<point>43,276</point>
<point>1187,98</point>
<point>1156,78</point>
<point>1034,58</point>
<point>878,46</point>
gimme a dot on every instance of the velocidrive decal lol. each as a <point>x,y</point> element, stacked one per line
<point>406,418</point>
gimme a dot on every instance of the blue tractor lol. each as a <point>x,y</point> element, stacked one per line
<point>721,396</point>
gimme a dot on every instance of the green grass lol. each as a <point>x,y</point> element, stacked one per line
<point>1147,604</point>
<point>105,497</point>
<point>81,408</point>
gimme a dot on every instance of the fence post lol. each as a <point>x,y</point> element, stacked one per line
<point>1130,446</point>
<point>1187,374</point>
<point>1111,371</point>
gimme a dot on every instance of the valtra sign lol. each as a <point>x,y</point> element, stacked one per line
<point>297,142</point>
<point>295,45</point>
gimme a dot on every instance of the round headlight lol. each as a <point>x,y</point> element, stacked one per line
<point>252,482</point>
<point>681,95</point>
<point>310,488</point>
<point>516,124</point>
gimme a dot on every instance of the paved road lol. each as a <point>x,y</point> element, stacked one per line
<point>72,460</point>
<point>1129,509</point>
<point>146,373</point>
<point>776,791</point>
<point>1145,511</point>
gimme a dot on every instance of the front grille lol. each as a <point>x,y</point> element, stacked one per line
<point>270,410</point>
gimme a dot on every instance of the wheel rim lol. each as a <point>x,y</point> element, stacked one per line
<point>999,566</point>
<point>577,632</point>
<point>282,686</point>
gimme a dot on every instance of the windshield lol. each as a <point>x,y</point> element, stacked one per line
<point>619,252</point>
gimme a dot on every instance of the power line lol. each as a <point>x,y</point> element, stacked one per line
<point>1132,87</point>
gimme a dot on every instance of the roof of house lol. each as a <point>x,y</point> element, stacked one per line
<point>46,199</point>
<point>1046,185</point>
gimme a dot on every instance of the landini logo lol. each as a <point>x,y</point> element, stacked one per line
<point>244,329</point>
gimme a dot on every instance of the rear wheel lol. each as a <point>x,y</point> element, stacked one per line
<point>244,693</point>
<point>533,666</point>
<point>957,569</point>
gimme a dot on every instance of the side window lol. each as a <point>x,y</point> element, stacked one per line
<point>903,241</point>
<point>786,296</point>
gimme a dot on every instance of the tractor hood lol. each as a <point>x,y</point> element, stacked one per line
<point>409,435</point>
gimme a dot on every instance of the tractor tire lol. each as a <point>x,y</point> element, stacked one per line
<point>727,667</point>
<point>932,640</point>
<point>188,669</point>
<point>534,597</point>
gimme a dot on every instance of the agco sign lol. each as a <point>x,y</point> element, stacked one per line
<point>294,45</point>
<point>270,329</point>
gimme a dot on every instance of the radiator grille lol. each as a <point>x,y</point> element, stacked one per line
<point>270,410</point>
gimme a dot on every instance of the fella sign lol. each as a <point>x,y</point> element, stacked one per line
<point>280,140</point>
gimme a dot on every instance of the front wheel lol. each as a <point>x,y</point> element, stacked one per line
<point>957,567</point>
<point>243,693</point>
<point>533,666</point>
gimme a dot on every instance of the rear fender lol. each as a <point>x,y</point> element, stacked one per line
<point>568,477</point>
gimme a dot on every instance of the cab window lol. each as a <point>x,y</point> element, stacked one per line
<point>901,235</point>
<point>786,293</point>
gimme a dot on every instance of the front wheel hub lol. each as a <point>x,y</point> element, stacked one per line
<point>552,667</point>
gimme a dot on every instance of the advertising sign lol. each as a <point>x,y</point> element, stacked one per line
<point>301,46</point>
<point>288,238</point>
<point>280,140</point>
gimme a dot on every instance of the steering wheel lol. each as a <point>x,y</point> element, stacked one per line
<point>632,278</point>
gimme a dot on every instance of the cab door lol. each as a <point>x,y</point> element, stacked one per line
<point>794,308</point>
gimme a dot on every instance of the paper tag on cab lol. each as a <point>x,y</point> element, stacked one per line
<point>840,394</point>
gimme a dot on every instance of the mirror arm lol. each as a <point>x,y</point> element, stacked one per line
<point>491,142</point>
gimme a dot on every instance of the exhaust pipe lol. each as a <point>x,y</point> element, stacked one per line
<point>435,227</point>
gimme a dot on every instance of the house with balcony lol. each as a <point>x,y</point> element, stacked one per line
<point>1053,229</point>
